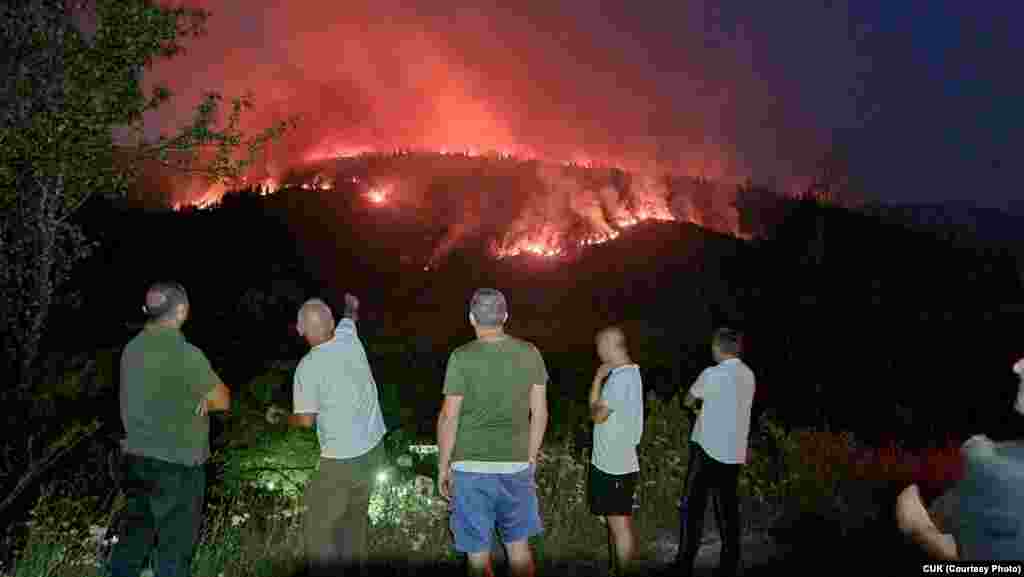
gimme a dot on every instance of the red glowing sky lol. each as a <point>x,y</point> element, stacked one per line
<point>670,85</point>
<point>726,88</point>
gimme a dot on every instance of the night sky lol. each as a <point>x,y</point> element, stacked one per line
<point>922,95</point>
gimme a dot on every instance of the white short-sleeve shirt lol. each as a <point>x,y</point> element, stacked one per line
<point>615,440</point>
<point>723,426</point>
<point>334,381</point>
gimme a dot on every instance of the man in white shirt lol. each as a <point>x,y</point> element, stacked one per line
<point>718,447</point>
<point>617,410</point>
<point>335,390</point>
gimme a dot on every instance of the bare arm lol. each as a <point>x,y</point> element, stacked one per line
<point>913,520</point>
<point>599,410</point>
<point>538,419</point>
<point>447,427</point>
<point>697,390</point>
<point>302,420</point>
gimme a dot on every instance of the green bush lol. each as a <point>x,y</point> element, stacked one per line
<point>269,387</point>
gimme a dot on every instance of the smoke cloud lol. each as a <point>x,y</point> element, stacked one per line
<point>684,87</point>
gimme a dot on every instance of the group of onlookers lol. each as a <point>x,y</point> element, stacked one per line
<point>490,431</point>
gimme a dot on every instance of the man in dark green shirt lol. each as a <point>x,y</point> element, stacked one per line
<point>489,432</point>
<point>167,390</point>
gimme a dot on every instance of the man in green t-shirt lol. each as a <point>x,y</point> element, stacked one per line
<point>167,390</point>
<point>489,432</point>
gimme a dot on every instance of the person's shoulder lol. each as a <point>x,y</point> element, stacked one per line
<point>524,345</point>
<point>464,348</point>
<point>711,371</point>
<point>193,352</point>
<point>310,360</point>
<point>136,342</point>
<point>635,374</point>
<point>629,372</point>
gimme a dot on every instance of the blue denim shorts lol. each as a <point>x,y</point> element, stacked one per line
<point>481,501</point>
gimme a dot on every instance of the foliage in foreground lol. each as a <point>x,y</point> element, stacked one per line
<point>252,526</point>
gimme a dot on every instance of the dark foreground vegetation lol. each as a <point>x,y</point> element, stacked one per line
<point>878,347</point>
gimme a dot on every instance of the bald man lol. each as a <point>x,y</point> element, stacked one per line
<point>335,390</point>
<point>618,414</point>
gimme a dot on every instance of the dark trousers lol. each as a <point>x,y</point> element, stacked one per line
<point>704,476</point>
<point>335,524</point>
<point>162,516</point>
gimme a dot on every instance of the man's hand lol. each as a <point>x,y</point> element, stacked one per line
<point>444,484</point>
<point>203,409</point>
<point>1018,367</point>
<point>275,414</point>
<point>351,306</point>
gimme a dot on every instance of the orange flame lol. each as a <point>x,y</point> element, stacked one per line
<point>377,195</point>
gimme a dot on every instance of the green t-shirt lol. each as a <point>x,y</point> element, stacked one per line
<point>494,379</point>
<point>163,378</point>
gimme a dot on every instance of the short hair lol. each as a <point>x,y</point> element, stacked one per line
<point>162,299</point>
<point>728,341</point>
<point>489,307</point>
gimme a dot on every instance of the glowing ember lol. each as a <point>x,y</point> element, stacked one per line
<point>268,186</point>
<point>377,195</point>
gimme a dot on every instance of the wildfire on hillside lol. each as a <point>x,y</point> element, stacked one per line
<point>528,208</point>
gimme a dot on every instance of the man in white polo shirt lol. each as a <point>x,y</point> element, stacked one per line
<point>718,447</point>
<point>617,410</point>
<point>335,390</point>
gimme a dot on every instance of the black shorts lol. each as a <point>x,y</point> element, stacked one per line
<point>610,494</point>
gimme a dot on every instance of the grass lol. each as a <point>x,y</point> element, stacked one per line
<point>252,524</point>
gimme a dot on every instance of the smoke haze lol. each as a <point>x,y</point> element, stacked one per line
<point>685,88</point>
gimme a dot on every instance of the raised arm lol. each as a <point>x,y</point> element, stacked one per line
<point>351,307</point>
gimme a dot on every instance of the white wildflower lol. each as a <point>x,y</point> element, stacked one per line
<point>405,461</point>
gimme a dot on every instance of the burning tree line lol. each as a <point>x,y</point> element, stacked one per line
<point>523,206</point>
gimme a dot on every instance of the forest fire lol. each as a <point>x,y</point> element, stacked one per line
<point>518,207</point>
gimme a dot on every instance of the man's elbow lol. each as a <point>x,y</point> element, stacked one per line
<point>220,398</point>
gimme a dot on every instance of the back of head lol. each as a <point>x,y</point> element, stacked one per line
<point>489,308</point>
<point>315,319</point>
<point>728,341</point>
<point>162,300</point>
